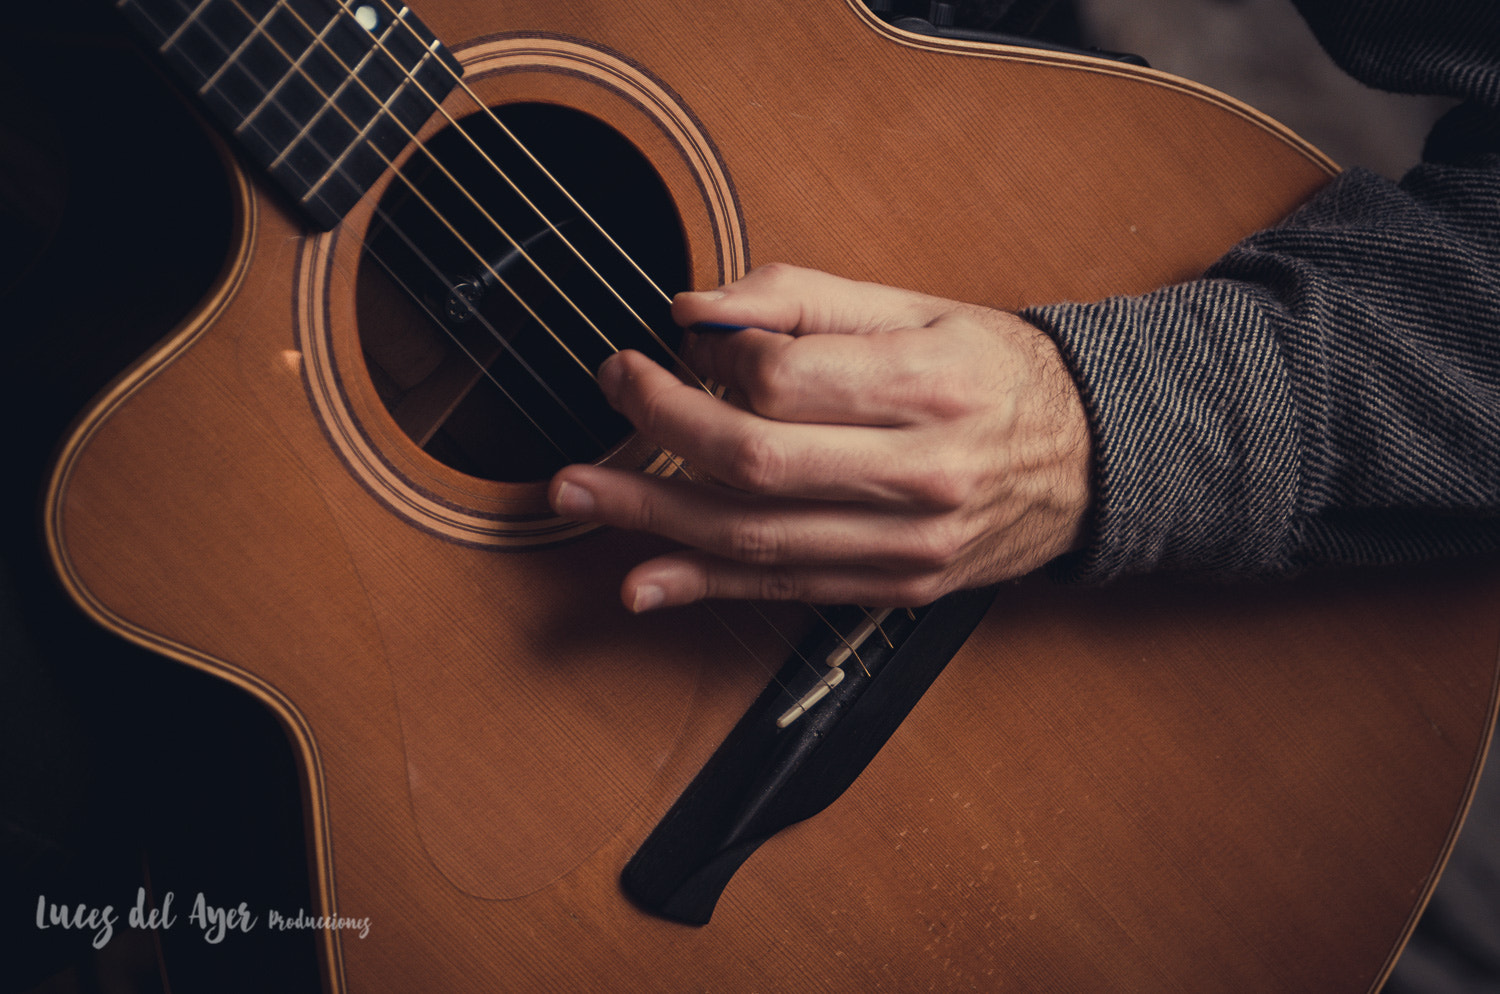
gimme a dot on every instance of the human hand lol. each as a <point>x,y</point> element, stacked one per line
<point>892,447</point>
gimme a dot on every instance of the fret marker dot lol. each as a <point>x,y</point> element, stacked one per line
<point>367,17</point>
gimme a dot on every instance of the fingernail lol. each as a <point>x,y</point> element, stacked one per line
<point>573,500</point>
<point>718,294</point>
<point>609,376</point>
<point>647,597</point>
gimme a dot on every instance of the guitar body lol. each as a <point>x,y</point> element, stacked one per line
<point>1156,786</point>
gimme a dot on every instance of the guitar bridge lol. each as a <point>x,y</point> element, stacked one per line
<point>806,738</point>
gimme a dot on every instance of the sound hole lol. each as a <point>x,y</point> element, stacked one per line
<point>483,311</point>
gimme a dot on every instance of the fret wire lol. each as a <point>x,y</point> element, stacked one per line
<point>402,234</point>
<point>233,56</point>
<point>361,138</point>
<point>438,214</point>
<point>411,78</point>
<point>329,102</point>
<point>382,111</point>
<point>293,70</point>
<point>542,216</point>
<point>192,16</point>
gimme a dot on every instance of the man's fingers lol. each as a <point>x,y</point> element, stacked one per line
<point>818,379</point>
<point>890,379</point>
<point>743,528</point>
<point>833,462</point>
<point>896,447</point>
<point>783,298</point>
<point>685,577</point>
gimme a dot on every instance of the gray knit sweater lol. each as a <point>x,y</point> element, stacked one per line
<point>1329,392</point>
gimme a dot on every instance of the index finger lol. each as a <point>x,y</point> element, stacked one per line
<point>796,301</point>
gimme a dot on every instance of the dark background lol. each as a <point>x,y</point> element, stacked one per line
<point>118,769</point>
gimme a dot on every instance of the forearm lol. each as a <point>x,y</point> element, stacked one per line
<point>1329,393</point>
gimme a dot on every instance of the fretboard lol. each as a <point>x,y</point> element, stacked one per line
<point>323,94</point>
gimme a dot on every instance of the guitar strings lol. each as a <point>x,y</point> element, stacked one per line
<point>331,102</point>
<point>438,163</point>
<point>710,609</point>
<point>273,90</point>
<point>390,222</point>
<point>508,237</point>
<point>416,191</point>
<point>414,295</point>
<point>412,78</point>
<point>687,474</point>
<point>318,39</point>
<point>458,128</point>
<point>489,112</point>
<point>475,314</point>
<point>483,107</point>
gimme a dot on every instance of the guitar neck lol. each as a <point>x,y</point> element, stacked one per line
<point>322,94</point>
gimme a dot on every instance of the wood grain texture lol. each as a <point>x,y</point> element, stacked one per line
<point>1157,787</point>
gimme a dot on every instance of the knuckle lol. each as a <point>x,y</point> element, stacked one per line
<point>946,487</point>
<point>919,590</point>
<point>652,411</point>
<point>780,585</point>
<point>938,544</point>
<point>944,392</point>
<point>642,514</point>
<point>769,379</point>
<point>755,540</point>
<point>943,376</point>
<point>758,463</point>
<point>774,274</point>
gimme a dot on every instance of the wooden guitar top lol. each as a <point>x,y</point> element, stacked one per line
<point>1155,786</point>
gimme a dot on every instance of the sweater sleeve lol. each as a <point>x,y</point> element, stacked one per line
<point>1329,391</point>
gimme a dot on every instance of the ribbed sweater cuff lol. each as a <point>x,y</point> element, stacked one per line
<point>1195,437</point>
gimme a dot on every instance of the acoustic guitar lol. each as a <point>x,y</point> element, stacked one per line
<point>327,488</point>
